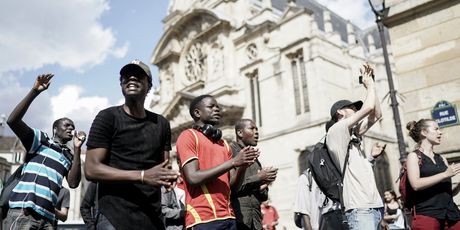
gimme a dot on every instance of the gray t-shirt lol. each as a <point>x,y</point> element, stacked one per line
<point>359,187</point>
<point>63,200</point>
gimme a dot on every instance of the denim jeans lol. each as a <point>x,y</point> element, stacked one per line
<point>23,219</point>
<point>364,218</point>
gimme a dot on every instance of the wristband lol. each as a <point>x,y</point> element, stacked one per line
<point>142,176</point>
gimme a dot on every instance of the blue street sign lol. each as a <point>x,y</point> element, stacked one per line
<point>445,114</point>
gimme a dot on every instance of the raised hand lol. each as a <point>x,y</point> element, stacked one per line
<point>367,72</point>
<point>268,174</point>
<point>42,82</point>
<point>377,149</point>
<point>246,156</point>
<point>79,137</point>
<point>160,175</point>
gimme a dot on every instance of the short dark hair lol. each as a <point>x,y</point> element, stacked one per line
<point>240,124</point>
<point>59,121</point>
<point>196,102</point>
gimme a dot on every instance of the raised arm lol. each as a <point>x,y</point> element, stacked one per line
<point>19,127</point>
<point>419,183</point>
<point>369,103</point>
<point>74,175</point>
<point>376,113</point>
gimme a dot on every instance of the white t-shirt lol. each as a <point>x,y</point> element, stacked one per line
<point>311,203</point>
<point>359,187</point>
<point>399,222</point>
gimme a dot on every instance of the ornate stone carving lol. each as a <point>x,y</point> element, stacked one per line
<point>195,62</point>
<point>251,51</point>
<point>181,117</point>
<point>216,59</point>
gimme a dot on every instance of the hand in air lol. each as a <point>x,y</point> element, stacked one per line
<point>42,82</point>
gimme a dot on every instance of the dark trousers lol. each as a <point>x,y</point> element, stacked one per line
<point>332,220</point>
<point>103,223</point>
<point>227,224</point>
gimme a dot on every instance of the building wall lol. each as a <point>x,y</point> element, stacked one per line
<point>426,49</point>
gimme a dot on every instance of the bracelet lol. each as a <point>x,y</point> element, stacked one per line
<point>142,176</point>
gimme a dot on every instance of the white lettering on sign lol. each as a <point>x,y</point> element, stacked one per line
<point>444,113</point>
<point>445,119</point>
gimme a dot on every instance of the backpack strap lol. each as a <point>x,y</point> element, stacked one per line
<point>342,205</point>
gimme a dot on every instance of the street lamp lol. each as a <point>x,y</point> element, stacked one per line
<point>378,7</point>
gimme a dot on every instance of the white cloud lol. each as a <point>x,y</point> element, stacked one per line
<point>64,32</point>
<point>82,110</point>
<point>358,12</point>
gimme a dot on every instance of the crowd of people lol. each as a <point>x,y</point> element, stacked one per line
<point>219,185</point>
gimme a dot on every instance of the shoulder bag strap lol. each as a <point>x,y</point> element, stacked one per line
<point>344,218</point>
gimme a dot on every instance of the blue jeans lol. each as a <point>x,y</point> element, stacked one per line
<point>364,218</point>
<point>22,219</point>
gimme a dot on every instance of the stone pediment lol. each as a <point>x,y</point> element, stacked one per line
<point>190,26</point>
<point>178,115</point>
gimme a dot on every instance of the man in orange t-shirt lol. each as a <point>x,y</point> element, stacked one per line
<point>208,168</point>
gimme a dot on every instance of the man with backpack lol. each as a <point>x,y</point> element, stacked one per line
<point>351,120</point>
<point>317,205</point>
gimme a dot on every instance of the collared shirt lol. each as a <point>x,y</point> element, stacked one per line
<point>211,201</point>
<point>247,198</point>
<point>42,177</point>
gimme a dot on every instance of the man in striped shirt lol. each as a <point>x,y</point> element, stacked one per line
<point>48,161</point>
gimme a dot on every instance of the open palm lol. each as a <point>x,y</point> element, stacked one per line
<point>43,82</point>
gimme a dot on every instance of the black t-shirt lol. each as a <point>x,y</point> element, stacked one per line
<point>133,144</point>
<point>436,201</point>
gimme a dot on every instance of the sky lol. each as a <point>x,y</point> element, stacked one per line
<point>84,43</point>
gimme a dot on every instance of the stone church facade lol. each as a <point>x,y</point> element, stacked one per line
<point>281,63</point>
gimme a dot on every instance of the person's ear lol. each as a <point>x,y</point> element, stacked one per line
<point>239,133</point>
<point>424,133</point>
<point>197,113</point>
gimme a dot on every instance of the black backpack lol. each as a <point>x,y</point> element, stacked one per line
<point>326,172</point>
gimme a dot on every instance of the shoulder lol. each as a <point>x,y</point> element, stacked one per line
<point>339,126</point>
<point>413,158</point>
<point>187,134</point>
<point>64,191</point>
<point>109,112</point>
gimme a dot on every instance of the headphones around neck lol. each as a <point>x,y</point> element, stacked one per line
<point>209,131</point>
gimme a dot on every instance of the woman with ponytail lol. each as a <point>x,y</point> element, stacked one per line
<point>431,179</point>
